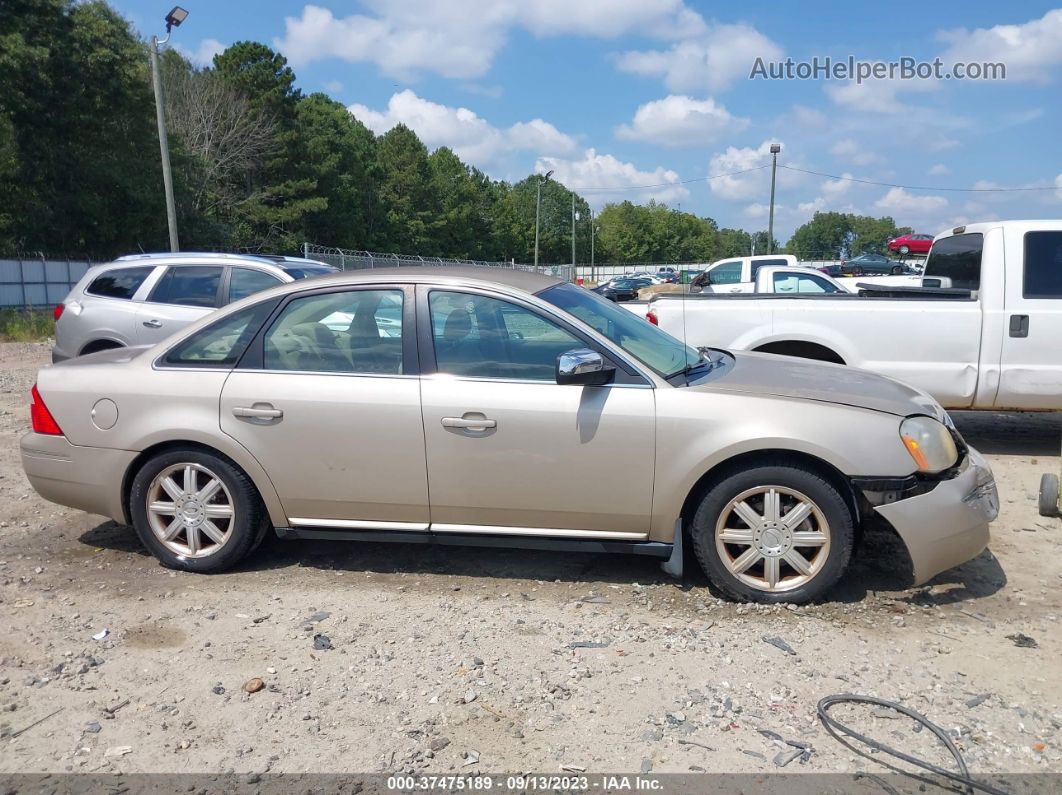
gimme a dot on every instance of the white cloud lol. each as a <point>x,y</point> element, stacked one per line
<point>203,55</point>
<point>1058,184</point>
<point>835,188</point>
<point>847,149</point>
<point>939,170</point>
<point>742,187</point>
<point>606,171</point>
<point>471,137</point>
<point>679,120</point>
<point>460,38</point>
<point>711,61</point>
<point>333,86</point>
<point>1029,50</point>
<point>921,212</point>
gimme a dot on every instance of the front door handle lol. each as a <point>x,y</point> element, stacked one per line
<point>469,423</point>
<point>1019,325</point>
<point>259,411</point>
<point>153,323</point>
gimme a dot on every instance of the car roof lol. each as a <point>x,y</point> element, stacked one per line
<point>522,280</point>
<point>178,255</point>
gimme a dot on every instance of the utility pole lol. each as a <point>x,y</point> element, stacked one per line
<point>173,19</point>
<point>775,149</point>
<point>591,244</point>
<point>573,233</point>
<point>538,211</point>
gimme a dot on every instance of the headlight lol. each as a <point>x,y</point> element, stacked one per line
<point>929,443</point>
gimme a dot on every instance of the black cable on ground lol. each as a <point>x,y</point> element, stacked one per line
<point>834,726</point>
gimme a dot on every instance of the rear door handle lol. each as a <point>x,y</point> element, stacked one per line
<point>1019,325</point>
<point>153,323</point>
<point>259,411</point>
<point>470,424</point>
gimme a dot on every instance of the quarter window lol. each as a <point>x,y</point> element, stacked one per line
<point>485,337</point>
<point>221,344</point>
<point>1043,265</point>
<point>119,283</point>
<point>188,285</point>
<point>355,331</point>
<point>247,281</point>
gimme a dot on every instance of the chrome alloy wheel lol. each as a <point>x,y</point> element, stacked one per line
<point>190,510</point>
<point>772,538</point>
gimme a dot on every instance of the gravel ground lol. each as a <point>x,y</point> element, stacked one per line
<point>396,658</point>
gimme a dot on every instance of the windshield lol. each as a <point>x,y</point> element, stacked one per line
<point>647,343</point>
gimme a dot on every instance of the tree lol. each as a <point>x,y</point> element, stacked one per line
<point>404,191</point>
<point>838,235</point>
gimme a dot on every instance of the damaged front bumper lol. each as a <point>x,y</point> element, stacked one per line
<point>948,524</point>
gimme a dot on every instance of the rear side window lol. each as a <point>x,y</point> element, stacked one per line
<point>119,283</point>
<point>956,260</point>
<point>247,281</point>
<point>1043,265</point>
<point>188,285</point>
<point>802,283</point>
<point>221,344</point>
<point>763,263</point>
<point>725,273</point>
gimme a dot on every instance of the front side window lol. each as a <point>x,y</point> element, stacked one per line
<point>956,260</point>
<point>1043,265</point>
<point>486,337</point>
<point>655,348</point>
<point>221,344</point>
<point>248,281</point>
<point>802,283</point>
<point>763,263</point>
<point>355,331</point>
<point>188,285</point>
<point>119,283</point>
<point>725,273</point>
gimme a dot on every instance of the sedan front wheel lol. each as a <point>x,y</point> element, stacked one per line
<point>775,533</point>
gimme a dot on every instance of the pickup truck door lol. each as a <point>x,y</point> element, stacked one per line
<point>1030,365</point>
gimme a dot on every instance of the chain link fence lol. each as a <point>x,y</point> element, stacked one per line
<point>349,259</point>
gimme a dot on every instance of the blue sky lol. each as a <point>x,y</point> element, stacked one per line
<point>619,94</point>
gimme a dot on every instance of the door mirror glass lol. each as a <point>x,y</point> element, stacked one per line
<point>583,366</point>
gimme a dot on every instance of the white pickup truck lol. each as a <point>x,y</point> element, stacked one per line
<point>983,330</point>
<point>737,274</point>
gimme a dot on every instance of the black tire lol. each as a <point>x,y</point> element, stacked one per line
<point>896,270</point>
<point>857,271</point>
<point>1049,495</point>
<point>787,475</point>
<point>248,525</point>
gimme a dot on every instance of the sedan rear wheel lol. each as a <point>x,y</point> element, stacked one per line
<point>773,534</point>
<point>196,510</point>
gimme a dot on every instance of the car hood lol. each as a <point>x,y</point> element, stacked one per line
<point>803,379</point>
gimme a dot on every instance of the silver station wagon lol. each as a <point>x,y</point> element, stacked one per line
<point>476,406</point>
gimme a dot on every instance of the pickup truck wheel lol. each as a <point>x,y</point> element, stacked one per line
<point>774,533</point>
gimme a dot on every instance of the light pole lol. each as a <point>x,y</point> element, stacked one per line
<point>591,244</point>
<point>775,149</point>
<point>538,210</point>
<point>574,218</point>
<point>173,20</point>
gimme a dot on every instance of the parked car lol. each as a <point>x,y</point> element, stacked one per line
<point>623,289</point>
<point>872,264</point>
<point>978,330</point>
<point>668,275</point>
<point>911,244</point>
<point>143,298</point>
<point>736,274</point>
<point>514,410</point>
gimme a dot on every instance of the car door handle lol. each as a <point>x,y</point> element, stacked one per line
<point>1019,325</point>
<point>153,323</point>
<point>470,424</point>
<point>259,411</point>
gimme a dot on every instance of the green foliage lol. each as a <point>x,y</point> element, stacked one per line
<point>26,325</point>
<point>260,166</point>
<point>837,235</point>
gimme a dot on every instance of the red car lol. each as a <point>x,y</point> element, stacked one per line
<point>911,244</point>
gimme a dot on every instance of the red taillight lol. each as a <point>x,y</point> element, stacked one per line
<point>58,311</point>
<point>43,421</point>
<point>651,317</point>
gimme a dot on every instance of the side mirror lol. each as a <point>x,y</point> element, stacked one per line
<point>583,366</point>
